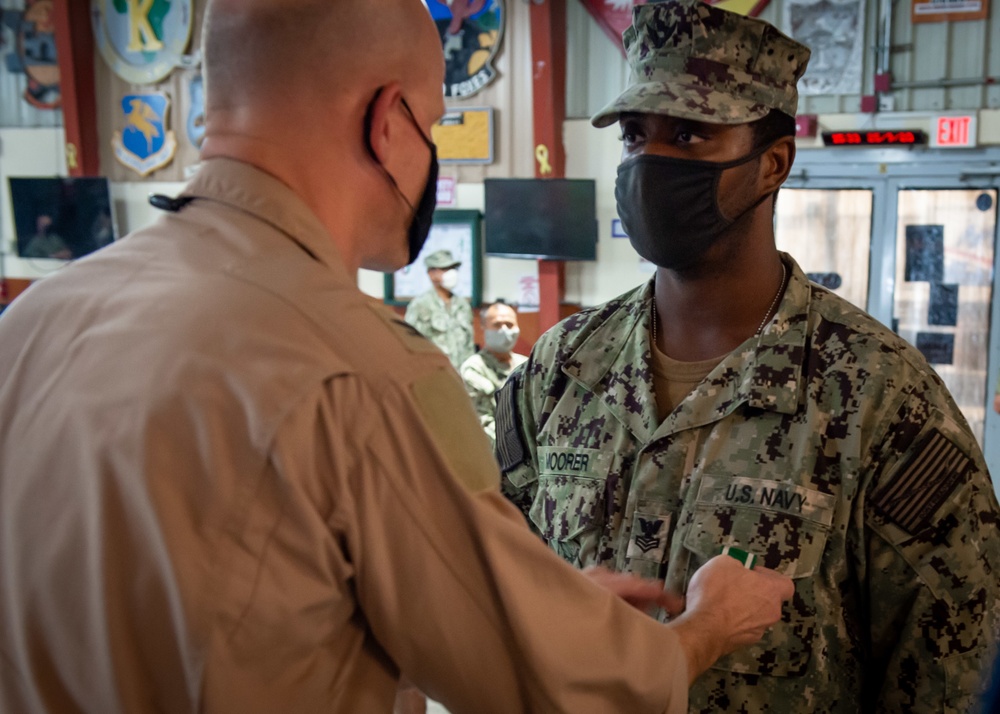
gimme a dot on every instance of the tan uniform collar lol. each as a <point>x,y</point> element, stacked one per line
<point>247,188</point>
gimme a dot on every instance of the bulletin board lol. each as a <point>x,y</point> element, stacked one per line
<point>459,231</point>
<point>465,136</point>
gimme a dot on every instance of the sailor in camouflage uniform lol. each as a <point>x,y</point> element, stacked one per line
<point>439,314</point>
<point>486,371</point>
<point>730,401</point>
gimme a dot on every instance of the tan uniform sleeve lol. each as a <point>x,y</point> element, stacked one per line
<point>470,605</point>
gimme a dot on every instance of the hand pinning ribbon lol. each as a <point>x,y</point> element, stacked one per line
<point>748,559</point>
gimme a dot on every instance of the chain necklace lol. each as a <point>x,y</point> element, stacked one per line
<point>767,316</point>
<point>774,303</point>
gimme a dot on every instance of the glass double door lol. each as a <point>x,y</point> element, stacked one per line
<point>918,253</point>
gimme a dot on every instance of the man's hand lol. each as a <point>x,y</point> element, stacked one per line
<point>728,607</point>
<point>996,403</point>
<point>638,592</point>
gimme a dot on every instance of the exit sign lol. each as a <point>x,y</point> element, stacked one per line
<point>954,132</point>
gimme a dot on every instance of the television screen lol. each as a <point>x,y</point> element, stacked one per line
<point>541,218</point>
<point>61,218</point>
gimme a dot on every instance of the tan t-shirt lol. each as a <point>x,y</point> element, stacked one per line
<point>673,380</point>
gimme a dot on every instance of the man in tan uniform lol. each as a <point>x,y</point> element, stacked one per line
<point>231,483</point>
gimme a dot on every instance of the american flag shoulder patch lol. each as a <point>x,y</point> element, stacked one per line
<point>924,483</point>
<point>509,447</point>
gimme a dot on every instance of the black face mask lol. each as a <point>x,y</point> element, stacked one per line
<point>423,214</point>
<point>670,207</point>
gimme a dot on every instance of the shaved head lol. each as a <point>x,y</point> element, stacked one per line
<point>335,98</point>
<point>269,50</point>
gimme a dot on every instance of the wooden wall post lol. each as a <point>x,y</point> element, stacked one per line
<point>75,46</point>
<point>548,62</point>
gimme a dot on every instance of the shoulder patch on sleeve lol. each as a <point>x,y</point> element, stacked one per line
<point>924,482</point>
<point>411,338</point>
<point>509,445</point>
<point>452,424</point>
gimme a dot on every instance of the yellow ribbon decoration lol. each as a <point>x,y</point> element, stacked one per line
<point>71,158</point>
<point>542,156</point>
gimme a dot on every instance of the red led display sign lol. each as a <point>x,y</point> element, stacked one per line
<point>903,137</point>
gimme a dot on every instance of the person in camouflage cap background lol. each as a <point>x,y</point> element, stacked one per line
<point>439,314</point>
<point>730,401</point>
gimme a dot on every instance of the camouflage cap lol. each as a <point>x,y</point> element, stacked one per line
<point>441,259</point>
<point>695,61</point>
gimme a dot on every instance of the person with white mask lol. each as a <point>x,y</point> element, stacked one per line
<point>441,315</point>
<point>487,370</point>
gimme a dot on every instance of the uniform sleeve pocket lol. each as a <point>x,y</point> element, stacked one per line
<point>440,323</point>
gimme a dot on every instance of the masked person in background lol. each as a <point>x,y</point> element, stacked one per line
<point>439,314</point>
<point>731,402</point>
<point>486,371</point>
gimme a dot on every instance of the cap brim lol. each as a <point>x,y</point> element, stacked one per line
<point>684,101</point>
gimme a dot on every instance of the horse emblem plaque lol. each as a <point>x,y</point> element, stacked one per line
<point>145,144</point>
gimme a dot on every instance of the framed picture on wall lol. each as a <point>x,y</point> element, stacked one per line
<point>459,231</point>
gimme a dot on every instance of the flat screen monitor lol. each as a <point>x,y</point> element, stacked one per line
<point>541,218</point>
<point>62,218</point>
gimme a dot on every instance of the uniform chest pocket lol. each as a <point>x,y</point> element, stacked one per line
<point>786,527</point>
<point>568,509</point>
<point>441,322</point>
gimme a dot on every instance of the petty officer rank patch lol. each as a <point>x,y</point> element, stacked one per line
<point>763,494</point>
<point>923,484</point>
<point>649,537</point>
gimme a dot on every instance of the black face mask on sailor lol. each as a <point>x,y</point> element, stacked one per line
<point>423,212</point>
<point>670,207</point>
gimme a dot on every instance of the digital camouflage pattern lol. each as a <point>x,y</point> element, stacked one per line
<point>483,375</point>
<point>449,326</point>
<point>442,259</point>
<point>696,61</point>
<point>789,449</point>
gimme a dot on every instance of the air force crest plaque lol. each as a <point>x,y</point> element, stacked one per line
<point>34,51</point>
<point>470,31</point>
<point>142,40</point>
<point>145,144</point>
